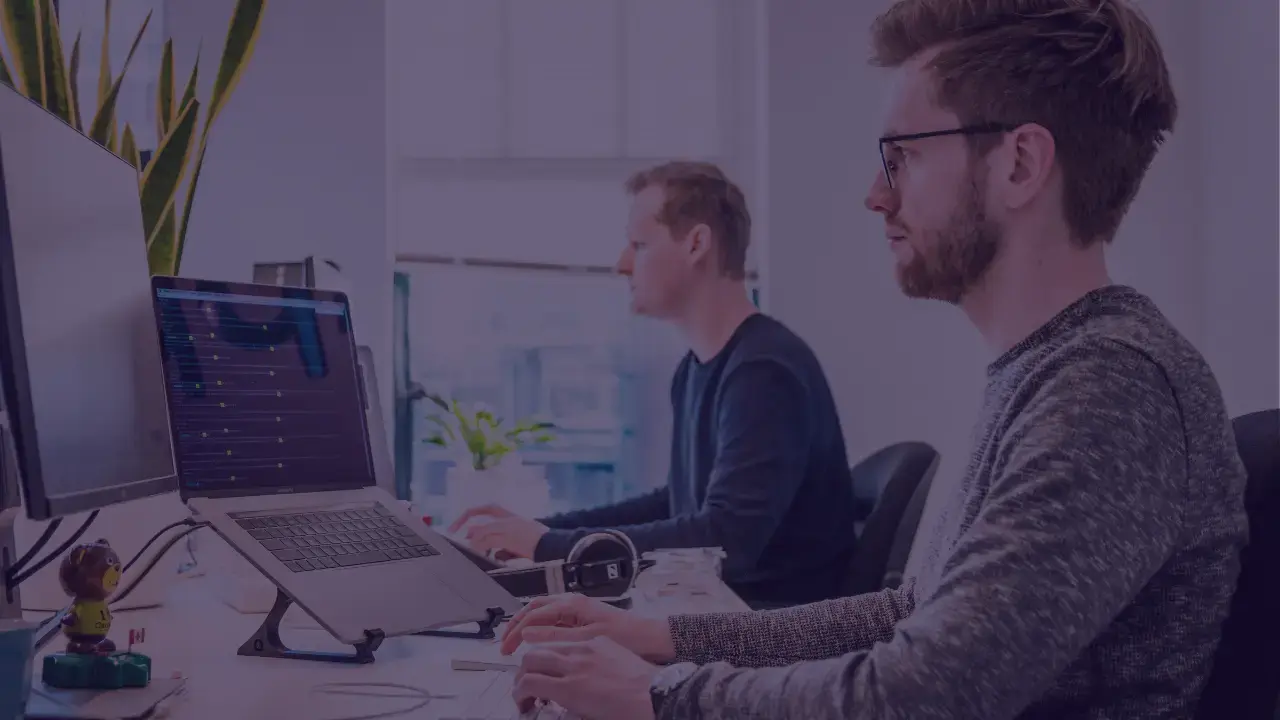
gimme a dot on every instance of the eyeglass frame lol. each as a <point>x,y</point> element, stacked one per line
<point>980,129</point>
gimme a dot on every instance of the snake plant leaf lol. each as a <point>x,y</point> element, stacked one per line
<point>160,183</point>
<point>57,86</point>
<point>242,37</point>
<point>190,92</point>
<point>5,76</point>
<point>104,73</point>
<point>21,23</point>
<point>129,147</point>
<point>164,91</point>
<point>73,85</point>
<point>102,129</point>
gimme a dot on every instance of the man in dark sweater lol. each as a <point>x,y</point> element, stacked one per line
<point>758,462</point>
<point>1083,565</point>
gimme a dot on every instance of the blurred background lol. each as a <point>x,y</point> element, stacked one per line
<point>462,162</point>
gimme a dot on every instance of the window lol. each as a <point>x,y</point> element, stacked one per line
<point>549,344</point>
<point>507,212</point>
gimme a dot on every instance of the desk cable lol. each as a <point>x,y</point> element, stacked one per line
<point>380,690</point>
<point>50,626</point>
<point>19,572</point>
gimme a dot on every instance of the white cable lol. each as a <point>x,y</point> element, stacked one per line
<point>367,689</point>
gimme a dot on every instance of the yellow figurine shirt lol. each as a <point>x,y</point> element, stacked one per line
<point>90,617</point>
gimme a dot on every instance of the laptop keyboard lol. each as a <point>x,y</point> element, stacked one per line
<point>306,541</point>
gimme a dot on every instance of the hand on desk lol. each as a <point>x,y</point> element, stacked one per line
<point>504,532</point>
<point>577,618</point>
<point>591,658</point>
<point>595,679</point>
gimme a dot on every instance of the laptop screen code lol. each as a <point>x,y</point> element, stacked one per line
<point>264,392</point>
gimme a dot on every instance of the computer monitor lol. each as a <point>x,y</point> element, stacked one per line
<point>79,349</point>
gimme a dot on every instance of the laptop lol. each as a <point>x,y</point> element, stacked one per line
<point>384,472</point>
<point>271,439</point>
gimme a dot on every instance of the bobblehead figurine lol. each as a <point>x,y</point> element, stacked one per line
<point>89,574</point>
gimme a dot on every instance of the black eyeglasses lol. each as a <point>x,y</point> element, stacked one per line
<point>890,160</point>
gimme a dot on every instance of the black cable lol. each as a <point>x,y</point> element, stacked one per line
<point>16,580</point>
<point>50,625</point>
<point>137,579</point>
<point>15,568</point>
<point>138,555</point>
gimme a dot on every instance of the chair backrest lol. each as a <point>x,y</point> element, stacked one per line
<point>1245,681</point>
<point>898,477</point>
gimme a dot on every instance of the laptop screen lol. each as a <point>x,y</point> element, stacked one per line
<point>264,393</point>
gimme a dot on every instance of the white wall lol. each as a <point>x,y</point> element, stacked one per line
<point>1201,238</point>
<point>1240,196</point>
<point>296,162</point>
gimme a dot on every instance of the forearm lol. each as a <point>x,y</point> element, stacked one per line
<point>649,507</point>
<point>780,637</point>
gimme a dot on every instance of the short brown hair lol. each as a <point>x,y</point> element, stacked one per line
<point>701,193</point>
<point>1091,72</point>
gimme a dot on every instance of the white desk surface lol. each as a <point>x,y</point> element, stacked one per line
<point>197,634</point>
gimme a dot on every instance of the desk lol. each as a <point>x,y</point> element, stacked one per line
<point>196,634</point>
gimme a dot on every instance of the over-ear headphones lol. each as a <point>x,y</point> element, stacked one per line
<point>602,565</point>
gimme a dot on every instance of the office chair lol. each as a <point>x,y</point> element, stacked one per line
<point>1245,681</point>
<point>896,480</point>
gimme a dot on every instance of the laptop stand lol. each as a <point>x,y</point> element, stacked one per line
<point>266,641</point>
<point>486,631</point>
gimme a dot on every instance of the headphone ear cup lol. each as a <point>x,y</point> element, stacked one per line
<point>613,549</point>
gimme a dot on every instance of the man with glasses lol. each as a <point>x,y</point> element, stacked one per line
<point>1084,565</point>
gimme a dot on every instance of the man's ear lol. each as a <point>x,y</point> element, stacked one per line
<point>1024,164</point>
<point>698,242</point>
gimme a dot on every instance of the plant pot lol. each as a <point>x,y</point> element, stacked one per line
<point>520,488</point>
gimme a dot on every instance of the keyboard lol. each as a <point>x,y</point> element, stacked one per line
<point>494,702</point>
<point>309,541</point>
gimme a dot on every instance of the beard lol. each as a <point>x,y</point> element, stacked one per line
<point>956,257</point>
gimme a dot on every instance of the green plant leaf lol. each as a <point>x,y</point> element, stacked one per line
<point>189,93</point>
<point>57,89</point>
<point>102,129</point>
<point>448,431</point>
<point>73,85</point>
<point>160,184</point>
<point>164,91</point>
<point>104,74</point>
<point>242,38</point>
<point>129,147</point>
<point>24,35</point>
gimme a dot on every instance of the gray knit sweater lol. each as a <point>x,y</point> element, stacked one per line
<point>1082,569</point>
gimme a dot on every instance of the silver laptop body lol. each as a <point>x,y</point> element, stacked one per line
<point>271,436</point>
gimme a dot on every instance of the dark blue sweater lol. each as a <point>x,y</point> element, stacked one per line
<point>758,468</point>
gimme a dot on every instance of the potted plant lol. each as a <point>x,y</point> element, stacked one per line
<point>37,68</point>
<point>487,467</point>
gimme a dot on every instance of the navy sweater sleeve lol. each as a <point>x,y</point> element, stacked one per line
<point>762,445</point>
<point>649,507</point>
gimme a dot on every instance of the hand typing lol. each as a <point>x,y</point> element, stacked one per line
<point>504,531</point>
<point>576,618</point>
<point>597,680</point>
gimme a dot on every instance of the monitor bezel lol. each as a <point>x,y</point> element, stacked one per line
<point>17,412</point>
<point>169,282</point>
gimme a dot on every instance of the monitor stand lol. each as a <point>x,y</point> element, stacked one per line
<point>10,599</point>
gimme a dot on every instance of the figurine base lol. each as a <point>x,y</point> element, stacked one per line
<point>98,672</point>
